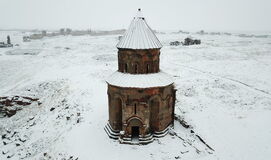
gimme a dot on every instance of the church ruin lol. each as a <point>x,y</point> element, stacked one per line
<point>141,98</point>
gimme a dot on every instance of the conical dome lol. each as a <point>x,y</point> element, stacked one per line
<point>139,35</point>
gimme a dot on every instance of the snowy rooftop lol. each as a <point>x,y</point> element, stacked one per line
<point>139,35</point>
<point>139,80</point>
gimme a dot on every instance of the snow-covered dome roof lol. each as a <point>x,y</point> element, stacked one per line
<point>139,35</point>
<point>149,80</point>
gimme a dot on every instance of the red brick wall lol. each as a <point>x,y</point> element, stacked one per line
<point>138,61</point>
<point>153,107</point>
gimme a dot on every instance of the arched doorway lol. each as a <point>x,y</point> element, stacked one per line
<point>135,128</point>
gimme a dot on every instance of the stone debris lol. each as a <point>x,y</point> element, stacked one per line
<point>187,41</point>
<point>10,105</point>
<point>175,43</point>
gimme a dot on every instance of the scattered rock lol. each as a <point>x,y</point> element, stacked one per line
<point>32,124</point>
<point>184,152</point>
<point>171,132</point>
<point>5,152</point>
<point>10,156</point>
<point>4,136</point>
<point>182,121</point>
<point>204,143</point>
<point>189,41</point>
<point>14,133</point>
<point>31,118</point>
<point>10,105</point>
<point>175,43</point>
<point>10,112</point>
<point>189,92</point>
<point>52,109</point>
<point>22,140</point>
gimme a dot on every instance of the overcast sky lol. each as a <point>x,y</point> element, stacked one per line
<point>217,15</point>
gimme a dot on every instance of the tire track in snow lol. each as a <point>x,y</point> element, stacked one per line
<point>229,79</point>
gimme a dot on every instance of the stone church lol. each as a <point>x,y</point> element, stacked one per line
<point>141,97</point>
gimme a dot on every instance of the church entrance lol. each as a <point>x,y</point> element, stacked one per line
<point>134,128</point>
<point>135,133</point>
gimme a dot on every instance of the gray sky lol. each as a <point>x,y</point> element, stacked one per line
<point>220,15</point>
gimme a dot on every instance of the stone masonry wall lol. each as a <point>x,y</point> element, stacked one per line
<point>138,61</point>
<point>151,108</point>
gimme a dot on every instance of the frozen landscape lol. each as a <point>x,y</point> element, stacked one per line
<point>58,83</point>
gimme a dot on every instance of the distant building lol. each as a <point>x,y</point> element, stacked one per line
<point>141,97</point>
<point>68,31</point>
<point>26,39</point>
<point>36,36</point>
<point>44,33</point>
<point>62,31</point>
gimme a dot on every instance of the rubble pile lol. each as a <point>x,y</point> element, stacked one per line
<point>10,105</point>
<point>175,43</point>
<point>187,41</point>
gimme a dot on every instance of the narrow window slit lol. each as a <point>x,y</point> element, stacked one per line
<point>135,109</point>
<point>125,68</point>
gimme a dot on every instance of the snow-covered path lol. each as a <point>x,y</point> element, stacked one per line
<point>224,88</point>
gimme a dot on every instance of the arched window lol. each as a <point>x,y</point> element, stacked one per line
<point>148,68</point>
<point>135,109</point>
<point>136,68</point>
<point>125,68</point>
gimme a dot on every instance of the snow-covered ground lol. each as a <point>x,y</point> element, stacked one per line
<point>224,93</point>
